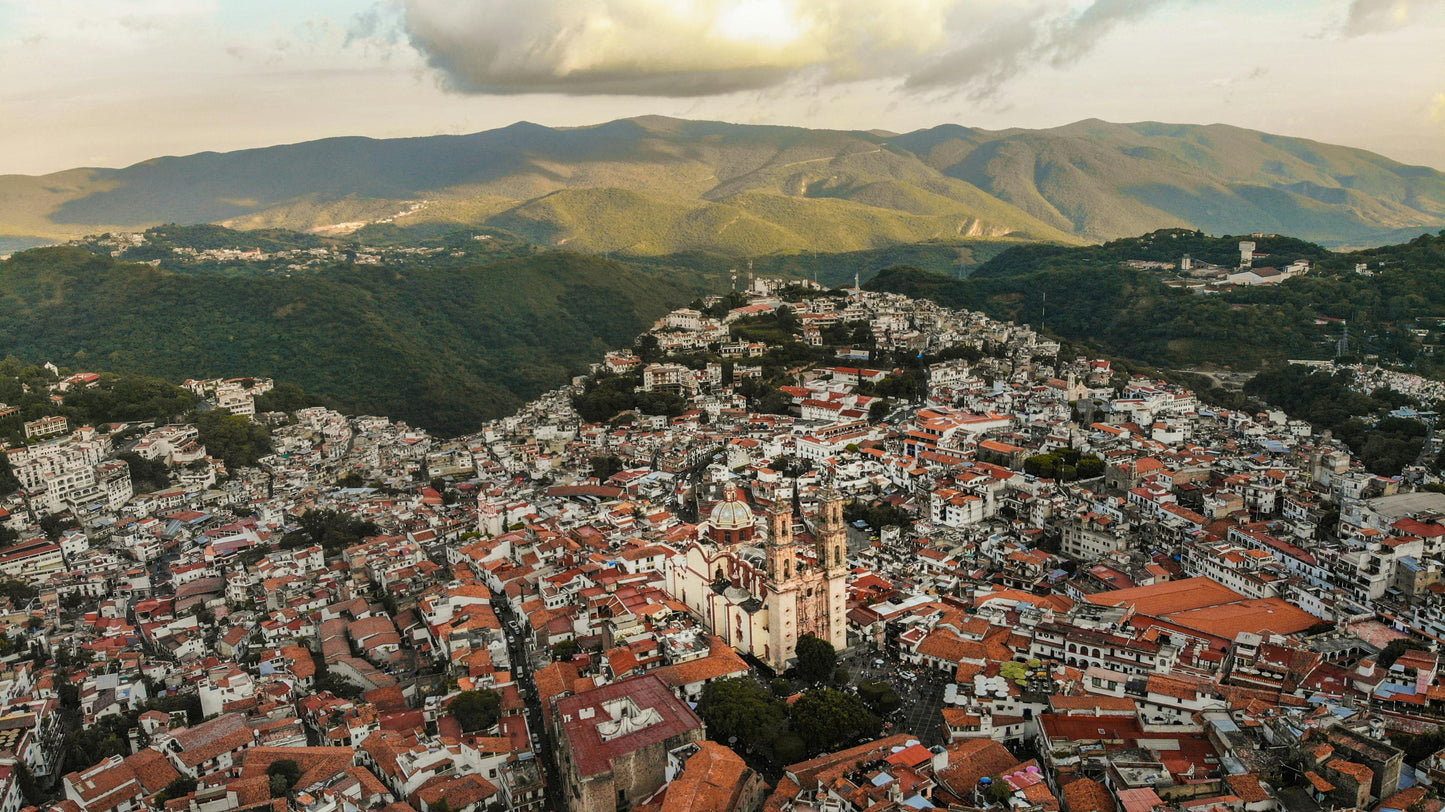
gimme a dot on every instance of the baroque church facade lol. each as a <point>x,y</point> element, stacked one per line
<point>758,588</point>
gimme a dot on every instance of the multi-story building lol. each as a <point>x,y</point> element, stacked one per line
<point>612,742</point>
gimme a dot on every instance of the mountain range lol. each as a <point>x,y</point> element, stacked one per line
<point>652,186</point>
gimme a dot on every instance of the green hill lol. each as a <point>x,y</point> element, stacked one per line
<point>1088,296</point>
<point>442,346</point>
<point>1103,180</point>
<point>653,186</point>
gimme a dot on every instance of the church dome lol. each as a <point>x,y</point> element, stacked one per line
<point>731,515</point>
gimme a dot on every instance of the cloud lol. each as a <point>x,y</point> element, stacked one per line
<point>1437,108</point>
<point>684,48</point>
<point>1258,72</point>
<point>1378,16</point>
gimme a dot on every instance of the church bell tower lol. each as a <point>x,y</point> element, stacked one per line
<point>782,555</point>
<point>832,535</point>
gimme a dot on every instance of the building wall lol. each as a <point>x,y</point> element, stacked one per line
<point>633,776</point>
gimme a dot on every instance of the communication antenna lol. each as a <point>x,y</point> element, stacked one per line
<point>733,277</point>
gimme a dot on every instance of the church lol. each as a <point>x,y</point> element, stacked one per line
<point>759,589</point>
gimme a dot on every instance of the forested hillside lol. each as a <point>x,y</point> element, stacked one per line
<point>1089,296</point>
<point>443,346</point>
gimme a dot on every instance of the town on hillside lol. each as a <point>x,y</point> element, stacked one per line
<point>797,549</point>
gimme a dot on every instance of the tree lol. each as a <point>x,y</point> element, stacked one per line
<point>829,720</point>
<point>740,707</point>
<point>284,773</point>
<point>179,788</point>
<point>476,710</point>
<point>604,466</point>
<point>877,411</point>
<point>648,349</point>
<point>146,475</point>
<point>816,659</point>
<point>1395,648</point>
<point>53,524</point>
<point>332,529</point>
<point>565,650</point>
<point>203,615</point>
<point>8,482</point>
<point>789,748</point>
<point>879,696</point>
<point>283,397</point>
<point>26,782</point>
<point>233,438</point>
<point>19,592</point>
<point>1419,746</point>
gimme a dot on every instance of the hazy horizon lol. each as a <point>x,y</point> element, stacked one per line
<point>109,84</point>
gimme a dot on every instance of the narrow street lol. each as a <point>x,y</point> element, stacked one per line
<point>522,671</point>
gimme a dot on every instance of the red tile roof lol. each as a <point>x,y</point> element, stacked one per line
<point>593,755</point>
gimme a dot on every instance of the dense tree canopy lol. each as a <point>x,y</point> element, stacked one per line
<point>829,719</point>
<point>232,437</point>
<point>1384,444</point>
<point>476,710</point>
<point>740,707</point>
<point>332,529</point>
<point>146,475</point>
<point>493,332</point>
<point>816,659</point>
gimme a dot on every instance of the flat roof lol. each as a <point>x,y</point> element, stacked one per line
<point>590,752</point>
<point>1207,606</point>
<point>1168,597</point>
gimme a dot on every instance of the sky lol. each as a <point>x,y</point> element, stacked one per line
<point>113,82</point>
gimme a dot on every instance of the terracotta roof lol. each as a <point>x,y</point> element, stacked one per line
<point>1087,795</point>
<point>1404,799</point>
<point>317,764</point>
<point>1092,702</point>
<point>1362,774</point>
<point>238,740</point>
<point>152,770</point>
<point>805,773</point>
<point>972,759</point>
<point>457,792</point>
<point>712,779</point>
<point>1248,788</point>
